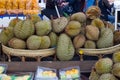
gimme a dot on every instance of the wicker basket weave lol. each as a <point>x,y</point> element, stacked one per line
<point>103,51</point>
<point>28,53</point>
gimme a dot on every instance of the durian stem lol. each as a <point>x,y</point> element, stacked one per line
<point>100,56</point>
<point>106,25</point>
<point>96,2</point>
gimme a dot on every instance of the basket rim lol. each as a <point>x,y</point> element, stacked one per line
<point>28,53</point>
<point>94,52</point>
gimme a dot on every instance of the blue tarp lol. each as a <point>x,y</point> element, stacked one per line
<point>14,15</point>
<point>88,4</point>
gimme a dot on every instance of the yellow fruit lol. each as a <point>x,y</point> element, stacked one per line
<point>2,11</point>
<point>15,4</point>
<point>29,4</point>
<point>9,4</point>
<point>35,5</point>
<point>22,4</point>
<point>2,4</point>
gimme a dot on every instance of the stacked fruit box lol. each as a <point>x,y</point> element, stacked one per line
<point>9,9</point>
<point>19,7</point>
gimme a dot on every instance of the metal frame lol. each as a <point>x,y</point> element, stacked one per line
<point>116,18</point>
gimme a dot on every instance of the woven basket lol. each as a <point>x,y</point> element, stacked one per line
<point>103,51</point>
<point>27,53</point>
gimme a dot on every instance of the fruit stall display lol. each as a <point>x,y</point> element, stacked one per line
<point>106,68</point>
<point>66,35</point>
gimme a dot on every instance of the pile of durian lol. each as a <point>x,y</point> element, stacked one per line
<point>31,33</point>
<point>66,34</point>
<point>106,68</point>
<point>19,6</point>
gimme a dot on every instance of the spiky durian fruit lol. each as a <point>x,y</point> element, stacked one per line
<point>24,29</point>
<point>90,44</point>
<point>45,42</point>
<point>33,42</point>
<point>94,75</point>
<point>6,35</point>
<point>17,43</point>
<point>106,38</point>
<point>59,24</point>
<point>103,65</point>
<point>98,23</point>
<point>54,39</point>
<point>109,25</point>
<point>35,18</point>
<point>43,27</point>
<point>80,16</point>
<point>116,70</point>
<point>65,49</point>
<point>73,28</point>
<point>79,41</point>
<point>92,33</point>
<point>116,57</point>
<point>93,12</point>
<point>107,76</point>
<point>14,21</point>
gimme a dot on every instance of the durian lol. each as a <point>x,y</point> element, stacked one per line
<point>103,65</point>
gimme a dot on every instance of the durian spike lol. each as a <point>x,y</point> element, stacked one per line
<point>106,23</point>
<point>96,2</point>
<point>107,26</point>
<point>93,69</point>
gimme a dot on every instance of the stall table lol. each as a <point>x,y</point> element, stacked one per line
<point>85,66</point>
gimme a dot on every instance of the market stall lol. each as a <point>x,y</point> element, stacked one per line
<point>56,48</point>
